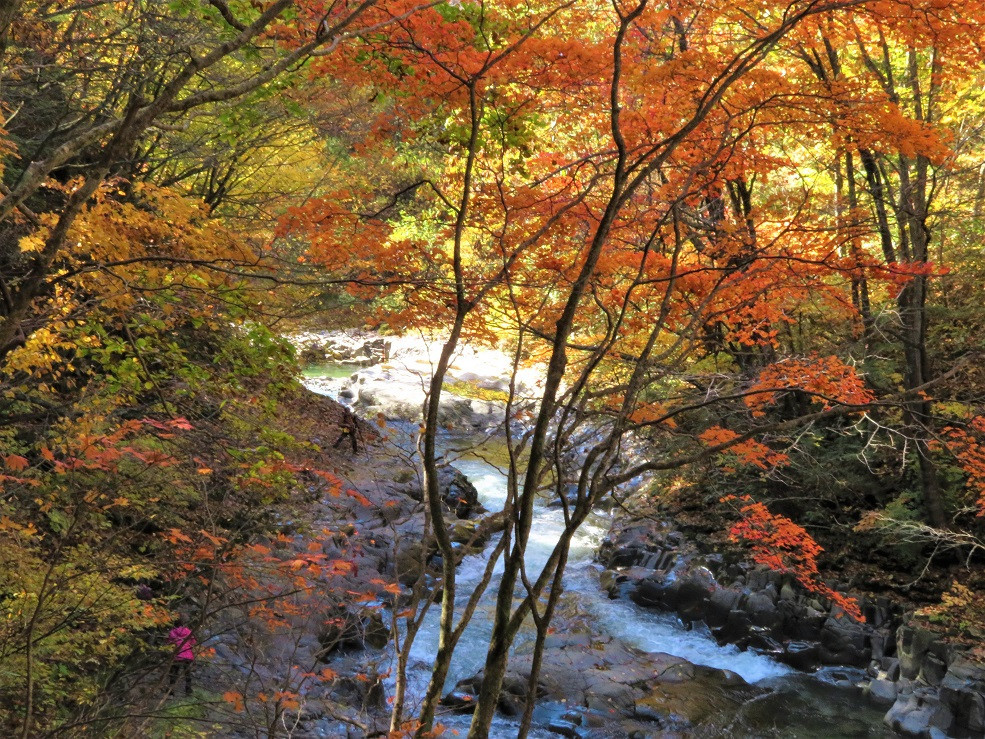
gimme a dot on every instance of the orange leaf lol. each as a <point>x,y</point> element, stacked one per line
<point>236,699</point>
<point>16,462</point>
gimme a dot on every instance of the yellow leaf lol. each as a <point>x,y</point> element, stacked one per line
<point>31,242</point>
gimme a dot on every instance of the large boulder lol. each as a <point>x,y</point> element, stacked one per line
<point>937,688</point>
<point>352,628</point>
<point>920,713</point>
<point>746,605</point>
<point>398,393</point>
<point>458,494</point>
<point>641,694</point>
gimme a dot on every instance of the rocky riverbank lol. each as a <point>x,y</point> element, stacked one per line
<point>600,687</point>
<point>390,378</point>
<point>931,686</point>
<point>592,685</point>
<point>324,646</point>
<point>355,347</point>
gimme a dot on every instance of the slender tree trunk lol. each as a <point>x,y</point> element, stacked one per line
<point>915,209</point>
<point>446,640</point>
<point>860,286</point>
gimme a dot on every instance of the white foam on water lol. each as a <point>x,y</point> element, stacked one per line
<point>644,629</point>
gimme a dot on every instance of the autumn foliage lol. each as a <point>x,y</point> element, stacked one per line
<point>780,544</point>
<point>740,241</point>
<point>966,445</point>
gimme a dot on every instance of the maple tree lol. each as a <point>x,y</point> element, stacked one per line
<point>734,236</point>
<point>624,241</point>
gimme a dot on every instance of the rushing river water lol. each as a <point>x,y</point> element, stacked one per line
<point>821,706</point>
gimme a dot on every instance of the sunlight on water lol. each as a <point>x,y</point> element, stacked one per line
<point>488,481</point>
<point>639,627</point>
<point>330,370</point>
<point>660,632</point>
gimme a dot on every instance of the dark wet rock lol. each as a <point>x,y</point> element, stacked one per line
<point>512,699</point>
<point>800,655</point>
<point>844,642</point>
<point>410,559</point>
<point>932,670</point>
<point>963,689</point>
<point>563,727</point>
<point>619,690</point>
<point>650,592</point>
<point>343,628</point>
<point>491,523</point>
<point>458,494</point>
<point>761,640</point>
<point>762,610</point>
<point>648,544</point>
<point>569,495</point>
<point>460,701</point>
<point>586,718</point>
<point>749,606</point>
<point>611,582</point>
<point>720,604</point>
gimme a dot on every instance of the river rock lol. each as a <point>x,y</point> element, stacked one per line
<point>410,560</point>
<point>399,393</point>
<point>350,347</point>
<point>459,495</point>
<point>344,629</point>
<point>936,688</point>
<point>919,714</point>
<point>882,691</point>
<point>638,692</point>
<point>610,581</point>
<point>746,605</point>
<point>844,642</point>
<point>963,689</point>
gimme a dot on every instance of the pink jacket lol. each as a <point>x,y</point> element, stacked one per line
<point>181,637</point>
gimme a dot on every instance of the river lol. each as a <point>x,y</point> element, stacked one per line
<point>822,705</point>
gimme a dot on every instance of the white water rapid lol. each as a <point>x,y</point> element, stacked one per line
<point>801,706</point>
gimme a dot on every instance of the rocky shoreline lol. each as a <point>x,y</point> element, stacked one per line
<point>932,688</point>
<point>600,687</point>
<point>390,378</point>
<point>374,525</point>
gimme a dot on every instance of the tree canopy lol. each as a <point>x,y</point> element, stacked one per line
<point>743,241</point>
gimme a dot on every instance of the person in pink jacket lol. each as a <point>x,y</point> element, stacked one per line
<point>183,642</point>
